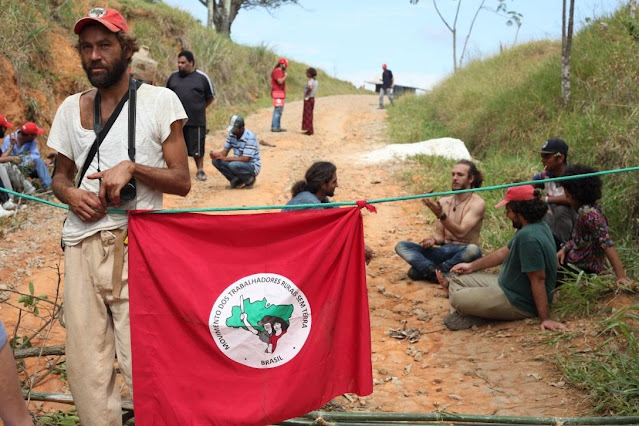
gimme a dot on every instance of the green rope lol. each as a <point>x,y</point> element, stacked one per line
<point>378,418</point>
<point>346,203</point>
<point>34,198</point>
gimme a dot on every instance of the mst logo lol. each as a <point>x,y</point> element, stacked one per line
<point>261,321</point>
<point>97,12</point>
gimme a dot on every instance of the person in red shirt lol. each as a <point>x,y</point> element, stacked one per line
<point>278,93</point>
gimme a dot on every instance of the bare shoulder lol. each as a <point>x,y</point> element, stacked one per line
<point>87,98</point>
<point>477,203</point>
<point>86,108</point>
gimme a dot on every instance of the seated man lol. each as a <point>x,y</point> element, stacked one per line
<point>457,232</point>
<point>5,199</point>
<point>22,145</point>
<point>244,166</point>
<point>524,287</point>
<point>561,216</point>
<point>319,183</point>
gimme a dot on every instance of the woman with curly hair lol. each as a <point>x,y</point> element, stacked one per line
<point>590,243</point>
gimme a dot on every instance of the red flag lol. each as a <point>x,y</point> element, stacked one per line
<point>246,319</point>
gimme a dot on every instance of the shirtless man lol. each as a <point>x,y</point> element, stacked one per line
<point>456,236</point>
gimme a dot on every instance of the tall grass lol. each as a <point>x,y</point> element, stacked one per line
<point>22,30</point>
<point>505,107</point>
<point>610,373</point>
<point>508,105</point>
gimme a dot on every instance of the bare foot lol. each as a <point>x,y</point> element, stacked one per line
<point>442,280</point>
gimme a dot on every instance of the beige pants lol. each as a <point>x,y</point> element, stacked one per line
<point>97,329</point>
<point>479,295</point>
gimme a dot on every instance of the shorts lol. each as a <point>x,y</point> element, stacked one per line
<point>3,335</point>
<point>194,137</point>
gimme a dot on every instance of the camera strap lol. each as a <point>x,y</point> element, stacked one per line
<point>101,132</point>
<point>133,85</point>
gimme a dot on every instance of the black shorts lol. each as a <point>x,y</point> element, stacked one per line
<point>194,137</point>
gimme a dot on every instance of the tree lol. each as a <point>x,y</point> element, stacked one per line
<point>633,8</point>
<point>222,13</point>
<point>512,17</point>
<point>566,48</point>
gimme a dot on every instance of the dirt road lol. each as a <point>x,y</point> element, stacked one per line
<point>503,369</point>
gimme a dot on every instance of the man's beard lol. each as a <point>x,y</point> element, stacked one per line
<point>110,77</point>
<point>182,73</point>
<point>460,188</point>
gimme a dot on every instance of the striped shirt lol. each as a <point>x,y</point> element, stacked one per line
<point>246,145</point>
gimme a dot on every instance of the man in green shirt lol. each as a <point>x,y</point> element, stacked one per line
<point>526,280</point>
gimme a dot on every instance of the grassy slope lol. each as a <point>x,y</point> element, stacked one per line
<point>241,74</point>
<point>506,106</point>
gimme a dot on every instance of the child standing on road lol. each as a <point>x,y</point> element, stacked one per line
<point>309,101</point>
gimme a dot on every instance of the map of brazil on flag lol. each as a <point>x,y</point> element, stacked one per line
<point>246,319</point>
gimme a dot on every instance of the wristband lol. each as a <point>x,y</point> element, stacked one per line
<point>443,216</point>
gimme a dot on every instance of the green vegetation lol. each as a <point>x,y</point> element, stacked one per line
<point>241,74</point>
<point>609,372</point>
<point>508,105</point>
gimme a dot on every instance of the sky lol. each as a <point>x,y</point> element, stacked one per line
<point>350,39</point>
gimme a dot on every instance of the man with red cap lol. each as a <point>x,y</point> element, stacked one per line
<point>4,125</point>
<point>388,82</point>
<point>11,176</point>
<point>91,133</point>
<point>525,284</point>
<point>21,145</point>
<point>278,93</point>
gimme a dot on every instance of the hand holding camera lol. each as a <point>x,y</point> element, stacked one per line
<point>117,184</point>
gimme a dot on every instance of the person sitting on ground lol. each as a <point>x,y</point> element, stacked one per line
<point>22,145</point>
<point>457,231</point>
<point>561,216</point>
<point>319,183</point>
<point>11,177</point>
<point>6,203</point>
<point>241,169</point>
<point>524,287</point>
<point>590,243</point>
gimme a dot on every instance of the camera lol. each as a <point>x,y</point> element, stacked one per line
<point>127,193</point>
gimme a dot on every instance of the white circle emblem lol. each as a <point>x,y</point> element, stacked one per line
<point>261,321</point>
<point>97,12</point>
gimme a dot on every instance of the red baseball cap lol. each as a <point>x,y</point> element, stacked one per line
<point>110,18</point>
<point>283,61</point>
<point>31,129</point>
<point>4,122</point>
<point>517,193</point>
